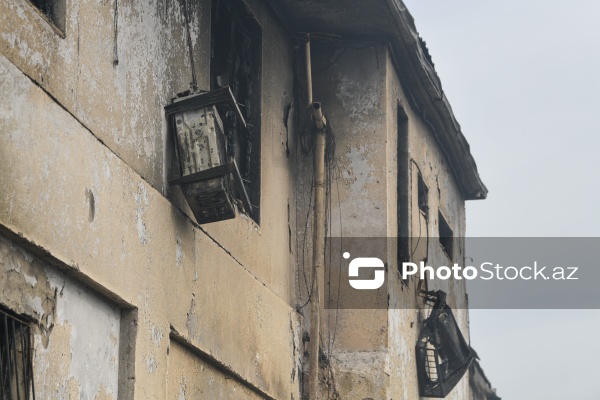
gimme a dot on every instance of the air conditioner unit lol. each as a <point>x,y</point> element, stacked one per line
<point>206,178</point>
<point>443,355</point>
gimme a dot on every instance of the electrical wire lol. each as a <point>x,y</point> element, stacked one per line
<point>412,160</point>
<point>194,82</point>
<point>309,290</point>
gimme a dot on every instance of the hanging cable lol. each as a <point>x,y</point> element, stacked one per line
<point>116,34</point>
<point>194,82</point>
<point>309,289</point>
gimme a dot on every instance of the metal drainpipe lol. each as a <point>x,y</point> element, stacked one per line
<point>308,72</point>
<point>316,294</point>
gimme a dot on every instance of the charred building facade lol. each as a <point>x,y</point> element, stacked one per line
<point>157,192</point>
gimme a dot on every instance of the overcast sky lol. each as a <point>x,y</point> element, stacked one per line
<point>523,78</point>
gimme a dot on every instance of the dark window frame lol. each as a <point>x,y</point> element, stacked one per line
<point>236,61</point>
<point>446,236</point>
<point>423,196</point>
<point>16,357</point>
<point>54,12</point>
<point>402,187</point>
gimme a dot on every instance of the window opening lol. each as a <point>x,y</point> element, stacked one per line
<point>217,132</point>
<point>446,236</point>
<point>423,197</point>
<point>236,47</point>
<point>403,187</point>
<point>53,10</point>
<point>16,369</point>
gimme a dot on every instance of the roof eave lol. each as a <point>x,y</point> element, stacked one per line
<point>415,71</point>
<point>428,97</point>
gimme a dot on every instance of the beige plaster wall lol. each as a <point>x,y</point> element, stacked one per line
<point>374,351</point>
<point>70,197</point>
<point>426,155</point>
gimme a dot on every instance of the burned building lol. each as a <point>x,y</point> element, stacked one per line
<point>157,166</point>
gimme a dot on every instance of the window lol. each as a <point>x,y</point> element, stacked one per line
<point>16,371</point>
<point>53,10</point>
<point>236,47</point>
<point>446,236</point>
<point>403,177</point>
<point>423,197</point>
<point>402,188</point>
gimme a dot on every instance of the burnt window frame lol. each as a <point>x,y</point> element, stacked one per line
<point>16,370</point>
<point>443,356</point>
<point>446,236</point>
<point>236,51</point>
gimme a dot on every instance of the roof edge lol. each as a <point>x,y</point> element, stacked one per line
<point>424,85</point>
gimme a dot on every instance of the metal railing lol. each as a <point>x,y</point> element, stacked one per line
<point>16,367</point>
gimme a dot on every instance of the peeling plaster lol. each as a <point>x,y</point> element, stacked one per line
<point>360,170</point>
<point>141,200</point>
<point>75,328</point>
<point>359,99</point>
<point>95,326</point>
<point>157,335</point>
<point>179,254</point>
<point>26,288</point>
<point>151,364</point>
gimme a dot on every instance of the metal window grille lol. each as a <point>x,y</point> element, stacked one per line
<point>443,355</point>
<point>16,368</point>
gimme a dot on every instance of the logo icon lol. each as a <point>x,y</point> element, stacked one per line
<point>365,262</point>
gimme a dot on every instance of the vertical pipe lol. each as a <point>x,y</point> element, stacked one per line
<point>318,261</point>
<point>308,72</point>
<point>9,369</point>
<point>1,373</point>
<point>315,294</point>
<point>116,34</point>
<point>194,83</point>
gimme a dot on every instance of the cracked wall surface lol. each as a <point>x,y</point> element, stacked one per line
<point>84,157</point>
<point>373,353</point>
<point>190,378</point>
<point>75,331</point>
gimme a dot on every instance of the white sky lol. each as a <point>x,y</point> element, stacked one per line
<point>523,78</point>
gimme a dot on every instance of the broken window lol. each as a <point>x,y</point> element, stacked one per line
<point>443,355</point>
<point>53,10</point>
<point>236,47</point>
<point>16,371</point>
<point>446,236</point>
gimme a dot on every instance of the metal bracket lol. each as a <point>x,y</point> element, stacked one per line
<point>216,172</point>
<point>222,95</point>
